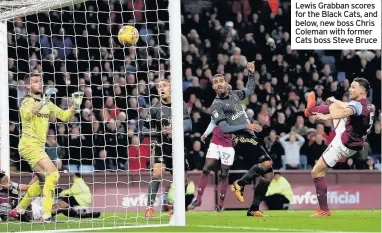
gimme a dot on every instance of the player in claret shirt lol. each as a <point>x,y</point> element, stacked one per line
<point>353,122</point>
<point>159,127</point>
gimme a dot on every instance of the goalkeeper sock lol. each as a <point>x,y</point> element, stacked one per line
<point>153,189</point>
<point>260,191</point>
<point>48,193</point>
<point>33,191</point>
<point>254,172</point>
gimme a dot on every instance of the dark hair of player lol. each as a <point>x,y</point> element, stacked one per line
<point>28,77</point>
<point>78,174</point>
<point>218,75</point>
<point>363,83</point>
<point>2,174</point>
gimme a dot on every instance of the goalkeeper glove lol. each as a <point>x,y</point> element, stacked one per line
<point>77,99</point>
<point>46,98</point>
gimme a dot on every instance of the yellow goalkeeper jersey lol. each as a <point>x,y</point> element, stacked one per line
<point>35,127</point>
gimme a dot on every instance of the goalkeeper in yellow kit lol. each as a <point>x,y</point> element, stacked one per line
<point>35,111</point>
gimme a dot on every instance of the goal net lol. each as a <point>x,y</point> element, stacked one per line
<point>73,45</point>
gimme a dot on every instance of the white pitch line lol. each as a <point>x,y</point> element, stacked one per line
<point>268,229</point>
<point>96,229</point>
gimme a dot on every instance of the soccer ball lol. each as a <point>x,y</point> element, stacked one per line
<point>128,35</point>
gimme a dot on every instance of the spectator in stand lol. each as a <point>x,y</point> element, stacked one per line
<point>275,149</point>
<point>280,126</point>
<point>139,155</point>
<point>110,110</point>
<point>316,149</point>
<point>319,131</point>
<point>75,149</point>
<point>299,127</point>
<point>292,149</point>
<point>197,156</point>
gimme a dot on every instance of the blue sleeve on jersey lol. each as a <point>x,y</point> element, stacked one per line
<point>356,107</point>
<point>210,127</point>
<point>227,128</point>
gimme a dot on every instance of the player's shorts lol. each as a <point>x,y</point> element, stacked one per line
<point>162,154</point>
<point>36,207</point>
<point>336,149</point>
<point>225,154</point>
<point>32,153</point>
<point>252,150</point>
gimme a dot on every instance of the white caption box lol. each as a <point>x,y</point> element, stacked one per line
<point>336,24</point>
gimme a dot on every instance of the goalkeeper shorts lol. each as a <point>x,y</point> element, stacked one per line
<point>32,154</point>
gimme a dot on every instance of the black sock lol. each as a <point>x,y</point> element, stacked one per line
<point>261,189</point>
<point>255,171</point>
<point>153,189</point>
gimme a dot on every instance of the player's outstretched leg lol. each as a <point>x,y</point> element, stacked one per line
<point>203,180</point>
<point>158,170</point>
<point>223,187</point>
<point>318,175</point>
<point>33,191</point>
<point>255,171</point>
<point>261,188</point>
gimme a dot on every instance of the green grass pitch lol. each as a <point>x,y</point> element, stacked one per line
<point>228,221</point>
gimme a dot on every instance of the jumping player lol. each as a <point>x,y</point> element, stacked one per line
<point>160,131</point>
<point>353,122</point>
<point>228,114</point>
<point>35,111</point>
<point>220,148</point>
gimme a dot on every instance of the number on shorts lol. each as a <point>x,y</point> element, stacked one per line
<point>225,156</point>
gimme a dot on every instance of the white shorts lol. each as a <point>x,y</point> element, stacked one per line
<point>336,150</point>
<point>225,154</point>
<point>37,208</point>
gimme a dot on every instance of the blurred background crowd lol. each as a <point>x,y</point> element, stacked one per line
<point>76,49</point>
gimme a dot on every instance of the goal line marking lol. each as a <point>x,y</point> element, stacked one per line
<point>96,228</point>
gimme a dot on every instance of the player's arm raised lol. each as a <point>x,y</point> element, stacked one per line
<point>67,115</point>
<point>353,108</point>
<point>250,87</point>
<point>30,107</point>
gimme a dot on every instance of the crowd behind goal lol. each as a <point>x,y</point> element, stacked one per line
<point>120,82</point>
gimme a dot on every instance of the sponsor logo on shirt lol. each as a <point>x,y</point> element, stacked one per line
<point>238,112</point>
<point>42,115</point>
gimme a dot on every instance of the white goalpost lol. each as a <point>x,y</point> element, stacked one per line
<point>73,44</point>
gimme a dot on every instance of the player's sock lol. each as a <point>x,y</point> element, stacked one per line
<point>260,191</point>
<point>153,189</point>
<point>321,191</point>
<point>255,171</point>
<point>48,192</point>
<point>33,191</point>
<point>324,109</point>
<point>202,185</point>
<point>223,190</point>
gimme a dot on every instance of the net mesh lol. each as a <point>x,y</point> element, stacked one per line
<point>75,48</point>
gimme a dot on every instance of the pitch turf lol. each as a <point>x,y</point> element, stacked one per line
<point>229,221</point>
